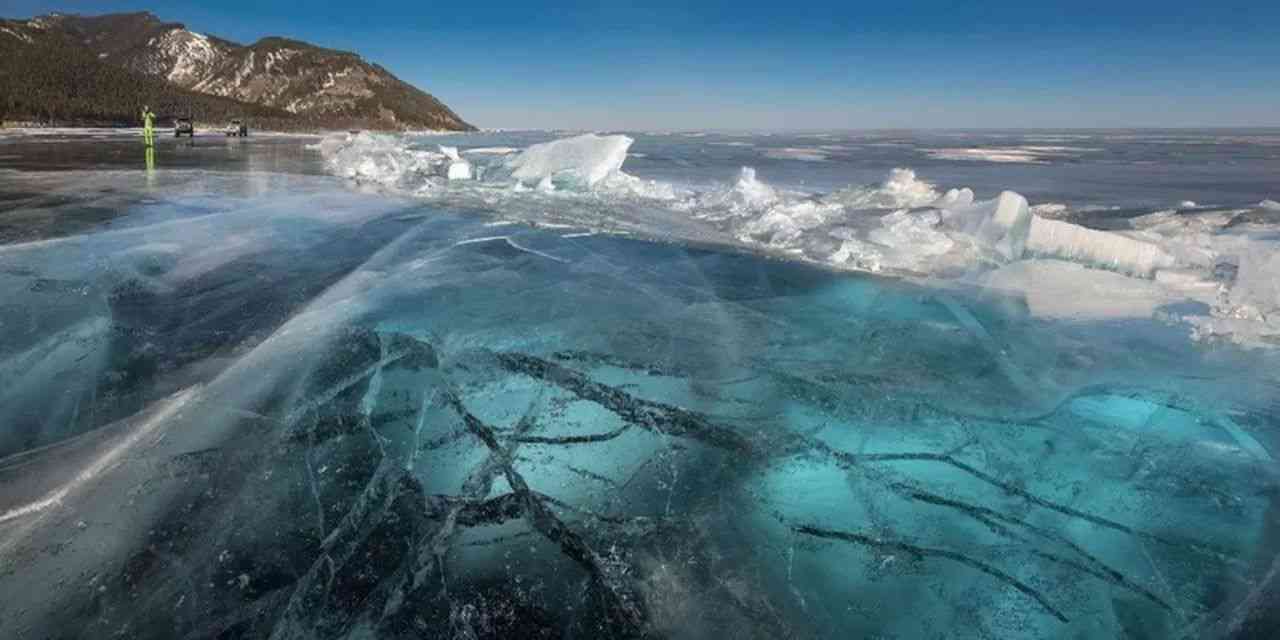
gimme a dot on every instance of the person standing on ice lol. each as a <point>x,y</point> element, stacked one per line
<point>148,126</point>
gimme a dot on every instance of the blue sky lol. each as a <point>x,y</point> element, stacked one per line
<point>789,65</point>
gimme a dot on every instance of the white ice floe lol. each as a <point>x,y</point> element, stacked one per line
<point>459,170</point>
<point>1050,209</point>
<point>495,151</point>
<point>585,159</point>
<point>793,153</point>
<point>1016,154</point>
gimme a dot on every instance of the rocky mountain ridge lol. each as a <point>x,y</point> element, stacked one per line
<point>295,80</point>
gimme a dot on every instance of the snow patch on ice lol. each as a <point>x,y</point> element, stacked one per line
<point>793,153</point>
<point>497,151</point>
<point>1017,154</point>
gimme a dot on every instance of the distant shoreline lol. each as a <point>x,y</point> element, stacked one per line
<point>214,131</point>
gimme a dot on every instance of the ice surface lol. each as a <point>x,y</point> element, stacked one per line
<point>383,415</point>
<point>1059,289</point>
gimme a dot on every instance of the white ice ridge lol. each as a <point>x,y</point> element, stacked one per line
<point>903,225</point>
<point>584,160</point>
<point>1057,239</point>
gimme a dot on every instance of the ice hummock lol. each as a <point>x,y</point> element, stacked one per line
<point>902,225</point>
<point>1101,249</point>
<point>381,159</point>
<point>458,169</point>
<point>583,160</point>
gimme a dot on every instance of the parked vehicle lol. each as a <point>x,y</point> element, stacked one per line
<point>237,128</point>
<point>183,127</point>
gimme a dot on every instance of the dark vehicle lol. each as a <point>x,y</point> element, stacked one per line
<point>183,127</point>
<point>237,128</point>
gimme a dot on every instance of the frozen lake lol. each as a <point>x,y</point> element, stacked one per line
<point>675,385</point>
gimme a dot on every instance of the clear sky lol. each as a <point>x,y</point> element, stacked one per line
<point>789,64</point>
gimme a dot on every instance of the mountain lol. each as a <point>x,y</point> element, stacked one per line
<point>50,77</point>
<point>278,82</point>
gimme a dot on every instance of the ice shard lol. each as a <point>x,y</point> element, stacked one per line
<point>1002,224</point>
<point>584,160</point>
